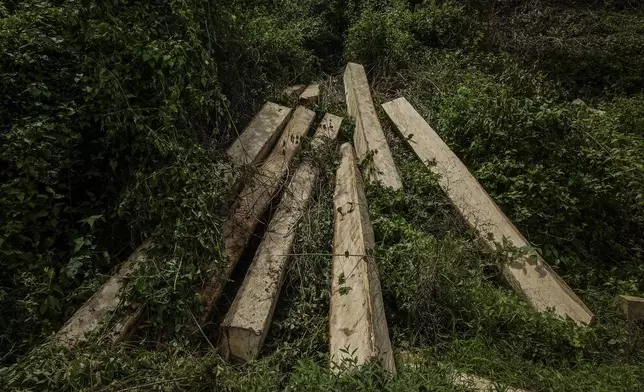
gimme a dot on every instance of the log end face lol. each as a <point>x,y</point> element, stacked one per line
<point>310,95</point>
<point>239,344</point>
<point>632,307</point>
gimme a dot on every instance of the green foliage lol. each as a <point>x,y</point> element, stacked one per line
<point>590,51</point>
<point>113,121</point>
<point>381,40</point>
<point>389,37</point>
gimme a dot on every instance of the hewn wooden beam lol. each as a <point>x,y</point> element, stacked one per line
<point>258,138</point>
<point>247,322</point>
<point>253,201</point>
<point>633,307</point>
<point>250,148</point>
<point>358,326</point>
<point>528,273</point>
<point>369,138</point>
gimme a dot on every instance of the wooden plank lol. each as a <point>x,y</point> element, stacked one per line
<point>368,136</point>
<point>89,316</point>
<point>258,138</point>
<point>254,199</point>
<point>247,322</point>
<point>310,95</point>
<point>529,274</point>
<point>294,90</point>
<point>358,327</point>
<point>633,307</point>
<point>251,148</point>
<point>479,384</point>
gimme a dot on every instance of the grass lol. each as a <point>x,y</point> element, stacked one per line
<point>567,175</point>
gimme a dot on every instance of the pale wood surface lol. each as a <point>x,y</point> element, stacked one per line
<point>368,135</point>
<point>633,307</point>
<point>251,148</point>
<point>358,327</point>
<point>529,274</point>
<point>247,322</point>
<point>89,316</point>
<point>310,95</point>
<point>254,199</point>
<point>258,137</point>
<point>294,90</point>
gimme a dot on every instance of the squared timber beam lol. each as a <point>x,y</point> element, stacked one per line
<point>358,326</point>
<point>259,136</point>
<point>246,324</point>
<point>252,147</point>
<point>528,274</point>
<point>633,307</point>
<point>369,137</point>
<point>253,200</point>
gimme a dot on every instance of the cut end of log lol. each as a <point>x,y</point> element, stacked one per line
<point>633,307</point>
<point>310,95</point>
<point>239,344</point>
<point>480,384</point>
<point>357,324</point>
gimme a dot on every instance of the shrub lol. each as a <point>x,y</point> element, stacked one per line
<point>445,25</point>
<point>380,40</point>
<point>589,51</point>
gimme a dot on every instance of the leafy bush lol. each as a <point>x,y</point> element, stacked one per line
<point>381,40</point>
<point>589,51</point>
<point>96,96</point>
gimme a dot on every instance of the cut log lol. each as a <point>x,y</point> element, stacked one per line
<point>310,95</point>
<point>253,201</point>
<point>358,327</point>
<point>479,384</point>
<point>260,135</point>
<point>633,307</point>
<point>368,136</point>
<point>251,148</point>
<point>294,90</point>
<point>89,317</point>
<point>528,273</point>
<point>247,322</point>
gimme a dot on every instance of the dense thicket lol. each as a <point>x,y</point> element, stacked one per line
<point>114,117</point>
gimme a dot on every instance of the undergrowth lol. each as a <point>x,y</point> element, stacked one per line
<point>114,121</point>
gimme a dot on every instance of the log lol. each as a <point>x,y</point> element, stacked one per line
<point>368,136</point>
<point>89,316</point>
<point>258,138</point>
<point>253,201</point>
<point>251,148</point>
<point>310,95</point>
<point>295,90</point>
<point>479,384</point>
<point>633,307</point>
<point>528,273</point>
<point>358,326</point>
<point>246,324</point>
